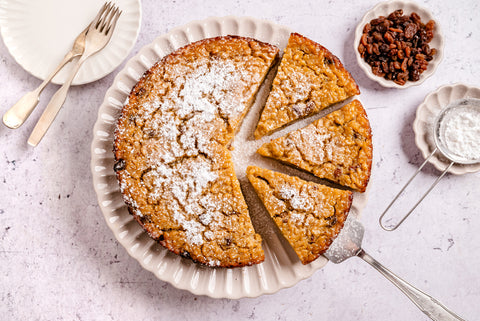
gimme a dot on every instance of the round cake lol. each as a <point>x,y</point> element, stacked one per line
<point>172,149</point>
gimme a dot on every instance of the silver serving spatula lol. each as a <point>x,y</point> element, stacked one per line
<point>349,243</point>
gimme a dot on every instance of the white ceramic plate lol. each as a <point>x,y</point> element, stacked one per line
<point>384,9</point>
<point>38,34</point>
<point>281,268</point>
<point>427,111</point>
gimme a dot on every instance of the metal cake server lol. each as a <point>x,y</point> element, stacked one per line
<point>349,244</point>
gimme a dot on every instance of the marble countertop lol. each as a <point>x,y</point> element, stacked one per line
<point>59,260</point>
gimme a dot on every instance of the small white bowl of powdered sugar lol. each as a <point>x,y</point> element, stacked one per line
<point>449,120</point>
<point>457,131</point>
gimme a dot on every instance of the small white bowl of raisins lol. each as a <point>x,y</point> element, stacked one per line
<point>398,44</point>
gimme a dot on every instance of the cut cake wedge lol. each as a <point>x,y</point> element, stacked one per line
<point>309,215</point>
<point>337,147</point>
<point>309,79</point>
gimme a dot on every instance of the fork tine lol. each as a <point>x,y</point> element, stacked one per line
<point>100,24</point>
<point>114,23</point>
<point>105,17</point>
<point>95,21</point>
<point>107,24</point>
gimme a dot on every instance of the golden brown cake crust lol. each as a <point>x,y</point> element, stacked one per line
<point>337,147</point>
<point>171,149</point>
<point>309,79</point>
<point>309,215</point>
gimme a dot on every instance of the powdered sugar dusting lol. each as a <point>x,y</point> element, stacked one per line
<point>196,110</point>
<point>297,218</point>
<point>298,200</point>
<point>297,86</point>
<point>185,183</point>
<point>462,133</point>
<point>174,137</point>
<point>177,143</point>
<point>321,138</point>
<point>212,91</point>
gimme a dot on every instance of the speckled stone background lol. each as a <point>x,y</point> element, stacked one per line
<point>59,260</point>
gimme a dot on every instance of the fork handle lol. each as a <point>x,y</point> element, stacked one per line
<point>53,107</point>
<point>18,113</point>
<point>427,304</point>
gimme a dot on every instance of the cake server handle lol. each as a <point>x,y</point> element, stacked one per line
<point>427,304</point>
<point>394,227</point>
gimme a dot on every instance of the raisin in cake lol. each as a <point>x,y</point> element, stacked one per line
<point>309,79</point>
<point>171,148</point>
<point>309,215</point>
<point>337,147</point>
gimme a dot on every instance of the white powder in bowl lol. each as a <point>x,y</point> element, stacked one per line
<point>462,133</point>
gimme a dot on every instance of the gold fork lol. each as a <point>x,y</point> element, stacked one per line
<point>98,35</point>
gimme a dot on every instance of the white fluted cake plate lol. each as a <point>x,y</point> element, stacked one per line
<point>281,267</point>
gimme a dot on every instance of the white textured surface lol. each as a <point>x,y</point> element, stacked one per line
<point>59,260</point>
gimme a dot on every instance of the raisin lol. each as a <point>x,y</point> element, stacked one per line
<point>378,36</point>
<point>384,48</point>
<point>328,60</point>
<point>364,39</point>
<point>394,15</point>
<point>404,65</point>
<point>369,49</point>
<point>407,51</point>
<point>367,28</point>
<point>382,28</point>
<point>388,37</point>
<point>302,109</point>
<point>385,66</point>
<point>337,172</point>
<point>395,30</point>
<point>430,25</point>
<point>361,49</point>
<point>410,30</point>
<point>415,17</point>
<point>120,165</point>
<point>140,92</point>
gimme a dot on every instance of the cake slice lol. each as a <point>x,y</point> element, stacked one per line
<point>309,79</point>
<point>309,215</point>
<point>337,147</point>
